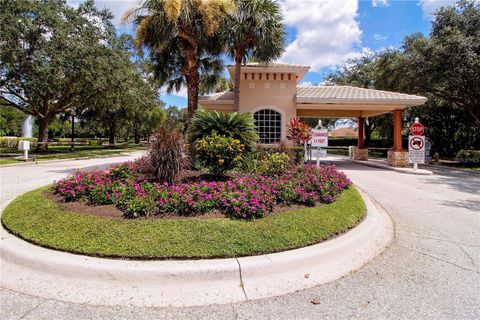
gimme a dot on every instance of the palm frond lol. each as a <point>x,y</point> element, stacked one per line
<point>236,125</point>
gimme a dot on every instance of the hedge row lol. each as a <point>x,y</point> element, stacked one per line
<point>12,142</point>
<point>469,156</point>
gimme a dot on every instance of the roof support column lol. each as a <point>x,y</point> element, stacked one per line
<point>361,128</point>
<point>397,156</point>
<point>360,152</point>
<point>397,130</point>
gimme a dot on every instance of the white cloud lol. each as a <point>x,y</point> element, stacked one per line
<point>116,7</point>
<point>378,37</point>
<point>382,3</point>
<point>430,6</point>
<point>181,93</point>
<point>327,32</point>
<point>305,84</point>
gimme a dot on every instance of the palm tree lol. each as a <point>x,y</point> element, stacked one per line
<point>168,69</point>
<point>180,33</point>
<point>254,30</point>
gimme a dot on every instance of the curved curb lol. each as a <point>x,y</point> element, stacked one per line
<point>408,170</point>
<point>80,279</point>
<point>115,155</point>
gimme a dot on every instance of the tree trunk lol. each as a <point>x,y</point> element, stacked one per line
<point>473,110</point>
<point>136,136</point>
<point>238,68</point>
<point>193,81</point>
<point>368,133</point>
<point>42,145</point>
<point>112,128</point>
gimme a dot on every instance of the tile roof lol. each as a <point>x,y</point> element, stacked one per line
<point>348,94</point>
<point>336,95</point>
<point>271,65</point>
<point>220,96</point>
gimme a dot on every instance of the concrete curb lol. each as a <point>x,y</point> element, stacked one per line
<point>122,154</point>
<point>80,279</point>
<point>420,172</point>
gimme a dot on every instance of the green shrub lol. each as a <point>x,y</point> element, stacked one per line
<point>274,163</point>
<point>295,153</point>
<point>250,163</point>
<point>469,156</point>
<point>239,126</point>
<point>219,153</point>
<point>12,142</point>
<point>95,142</point>
<point>298,155</point>
<point>166,155</point>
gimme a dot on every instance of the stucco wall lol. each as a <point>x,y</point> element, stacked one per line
<point>269,94</point>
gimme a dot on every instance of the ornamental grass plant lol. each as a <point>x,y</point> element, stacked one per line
<point>166,155</point>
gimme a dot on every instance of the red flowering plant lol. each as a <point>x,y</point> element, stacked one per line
<point>298,131</point>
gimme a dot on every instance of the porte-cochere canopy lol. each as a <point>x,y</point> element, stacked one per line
<point>277,85</point>
<point>272,82</point>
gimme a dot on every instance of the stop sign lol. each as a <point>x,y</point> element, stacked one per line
<point>417,129</point>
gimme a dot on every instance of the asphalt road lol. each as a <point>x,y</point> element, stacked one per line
<point>431,271</point>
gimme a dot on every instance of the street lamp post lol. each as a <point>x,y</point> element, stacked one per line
<point>72,144</point>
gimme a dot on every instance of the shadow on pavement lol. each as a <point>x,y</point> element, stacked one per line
<point>470,204</point>
<point>468,184</point>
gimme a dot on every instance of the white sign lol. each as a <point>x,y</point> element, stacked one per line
<point>416,149</point>
<point>319,153</point>
<point>24,145</point>
<point>319,138</point>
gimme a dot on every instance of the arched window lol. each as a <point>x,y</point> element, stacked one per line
<point>269,125</point>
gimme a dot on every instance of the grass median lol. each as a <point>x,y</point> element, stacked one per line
<point>63,152</point>
<point>41,221</point>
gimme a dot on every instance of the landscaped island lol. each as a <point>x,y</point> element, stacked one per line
<point>225,196</point>
<point>245,214</point>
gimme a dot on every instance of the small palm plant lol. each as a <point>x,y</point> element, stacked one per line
<point>239,126</point>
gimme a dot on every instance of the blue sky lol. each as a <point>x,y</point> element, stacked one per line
<point>325,33</point>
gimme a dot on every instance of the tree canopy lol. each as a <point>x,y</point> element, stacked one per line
<point>57,59</point>
<point>254,30</point>
<point>49,56</point>
<point>447,63</point>
<point>444,67</point>
<point>179,36</point>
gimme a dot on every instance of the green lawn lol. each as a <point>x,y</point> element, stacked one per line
<point>63,152</point>
<point>35,218</point>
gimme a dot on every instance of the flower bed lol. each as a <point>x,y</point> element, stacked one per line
<point>245,197</point>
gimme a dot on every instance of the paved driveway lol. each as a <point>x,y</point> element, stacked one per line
<point>15,180</point>
<point>430,272</point>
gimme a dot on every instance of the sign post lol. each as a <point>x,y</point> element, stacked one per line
<point>416,144</point>
<point>25,146</point>
<point>319,139</point>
